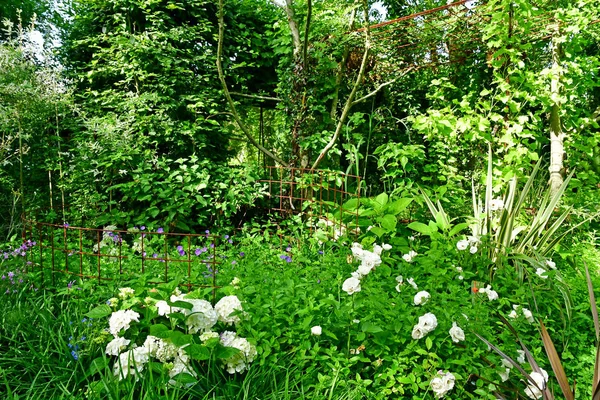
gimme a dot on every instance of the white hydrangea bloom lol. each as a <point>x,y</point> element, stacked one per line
<point>201,317</point>
<point>351,285</point>
<point>113,302</point>
<point>115,346</point>
<point>540,272</point>
<point>225,307</point>
<point>126,293</point>
<point>163,308</point>
<point>456,333</point>
<point>152,344</point>
<point>427,323</point>
<point>535,391</point>
<point>462,245</point>
<point>181,364</point>
<point>421,298</point>
<point>122,320</point>
<point>238,362</point>
<point>442,384</point>
<point>316,330</point>
<point>131,363</point>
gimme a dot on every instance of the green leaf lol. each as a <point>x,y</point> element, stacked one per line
<point>420,227</point>
<point>198,352</point>
<point>399,205</point>
<point>225,352</point>
<point>179,338</point>
<point>181,304</point>
<point>101,311</point>
<point>160,331</point>
<point>369,327</point>
<point>388,222</point>
<point>458,228</point>
<point>428,343</point>
<point>378,231</point>
<point>382,199</point>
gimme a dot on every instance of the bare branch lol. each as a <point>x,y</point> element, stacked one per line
<point>350,99</point>
<point>228,95</point>
<point>306,30</point>
<point>253,96</point>
<point>374,92</point>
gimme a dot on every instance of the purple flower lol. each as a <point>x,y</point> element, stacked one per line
<point>233,262</point>
<point>288,259</point>
<point>70,284</point>
<point>180,250</point>
<point>74,354</point>
<point>212,245</point>
<point>204,249</point>
<point>198,252</point>
<point>226,236</point>
<point>207,231</point>
<point>320,251</point>
<point>66,225</point>
<point>160,230</point>
<point>11,275</point>
<point>144,254</point>
<point>3,276</point>
<point>230,241</point>
<point>154,255</point>
<point>288,248</point>
<point>142,228</point>
<point>242,254</point>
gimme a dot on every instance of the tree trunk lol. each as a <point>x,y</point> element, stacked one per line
<point>556,133</point>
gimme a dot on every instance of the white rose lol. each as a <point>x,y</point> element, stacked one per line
<point>528,315</point>
<point>521,356</point>
<point>496,204</point>
<point>473,249</point>
<point>408,257</point>
<point>462,245</point>
<point>351,285</point>
<point>412,283</point>
<point>377,249</point>
<point>551,264</point>
<point>456,333</point>
<point>442,384</point>
<point>421,298</point>
<point>316,330</point>
<point>534,391</point>
<point>386,247</point>
<point>364,269</point>
<point>540,272</point>
<point>504,375</point>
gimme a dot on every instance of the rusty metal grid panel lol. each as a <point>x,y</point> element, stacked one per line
<point>111,254</point>
<point>325,199</point>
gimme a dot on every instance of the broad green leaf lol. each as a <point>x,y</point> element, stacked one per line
<point>420,227</point>
<point>397,206</point>
<point>101,311</point>
<point>388,222</point>
<point>198,352</point>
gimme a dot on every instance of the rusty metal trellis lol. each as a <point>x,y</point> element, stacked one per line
<point>111,254</point>
<point>316,195</point>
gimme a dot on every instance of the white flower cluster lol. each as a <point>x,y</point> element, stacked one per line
<point>421,298</point>
<point>126,293</point>
<point>442,384</point>
<point>202,317</point>
<point>410,256</point>
<point>131,363</point>
<point>116,346</point>
<point>456,333</point>
<point>335,228</point>
<point>526,313</point>
<point>225,307</point>
<point>491,294</point>
<point>122,320</point>
<point>247,352</point>
<point>427,323</point>
<point>471,243</point>
<point>369,260</point>
<point>496,204</point>
<point>535,390</point>
<point>541,272</point>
